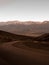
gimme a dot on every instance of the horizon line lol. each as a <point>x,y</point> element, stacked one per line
<point>24,20</point>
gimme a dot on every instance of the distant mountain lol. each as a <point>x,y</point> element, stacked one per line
<point>25,28</point>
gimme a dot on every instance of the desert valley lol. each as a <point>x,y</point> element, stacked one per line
<point>24,43</point>
<point>24,32</point>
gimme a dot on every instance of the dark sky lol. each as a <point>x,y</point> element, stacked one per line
<point>37,10</point>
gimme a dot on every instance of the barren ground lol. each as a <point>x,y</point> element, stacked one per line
<point>22,55</point>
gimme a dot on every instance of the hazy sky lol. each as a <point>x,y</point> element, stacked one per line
<point>36,10</point>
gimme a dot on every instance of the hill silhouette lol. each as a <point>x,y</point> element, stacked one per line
<point>44,37</point>
<point>7,37</point>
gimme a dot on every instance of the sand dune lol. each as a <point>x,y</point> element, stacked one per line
<point>18,56</point>
<point>23,50</point>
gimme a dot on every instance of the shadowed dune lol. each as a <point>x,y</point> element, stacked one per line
<point>7,37</point>
<point>44,37</point>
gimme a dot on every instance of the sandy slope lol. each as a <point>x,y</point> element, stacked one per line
<point>3,62</point>
<point>18,56</point>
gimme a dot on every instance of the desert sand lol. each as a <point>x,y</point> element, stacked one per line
<point>19,56</point>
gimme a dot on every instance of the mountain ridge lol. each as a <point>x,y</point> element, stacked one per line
<point>25,22</point>
<point>25,28</point>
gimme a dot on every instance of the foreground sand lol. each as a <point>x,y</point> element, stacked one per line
<point>19,56</point>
